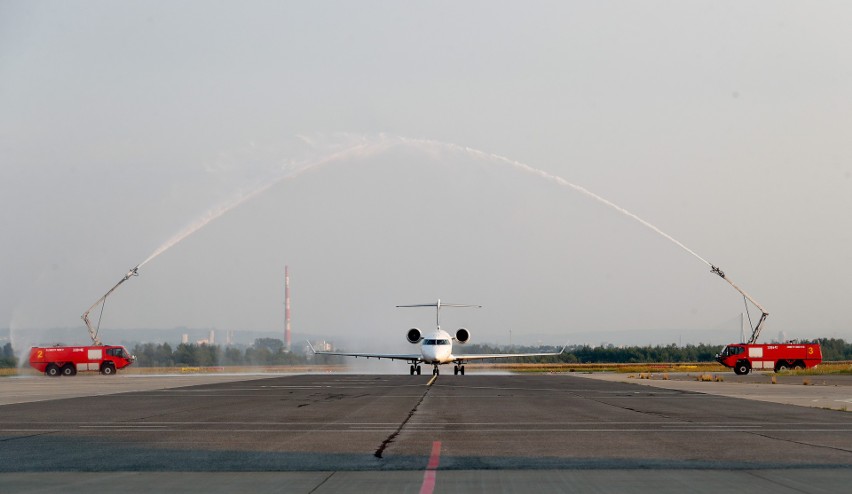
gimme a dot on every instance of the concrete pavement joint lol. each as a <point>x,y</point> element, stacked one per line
<point>386,442</point>
<point>801,443</point>
<point>771,480</point>
<point>322,483</point>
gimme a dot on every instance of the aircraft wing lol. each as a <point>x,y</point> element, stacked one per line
<point>389,356</point>
<point>484,356</point>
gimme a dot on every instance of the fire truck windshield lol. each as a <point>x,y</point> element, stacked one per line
<point>732,350</point>
<point>119,352</point>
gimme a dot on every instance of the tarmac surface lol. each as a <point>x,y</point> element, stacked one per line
<point>832,392</point>
<point>385,433</point>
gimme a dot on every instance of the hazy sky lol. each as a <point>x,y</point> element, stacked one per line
<point>727,124</point>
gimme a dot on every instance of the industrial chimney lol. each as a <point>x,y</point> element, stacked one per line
<point>287,307</point>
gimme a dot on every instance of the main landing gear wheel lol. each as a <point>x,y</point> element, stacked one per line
<point>461,369</point>
<point>455,370</point>
<point>412,370</point>
<point>417,370</point>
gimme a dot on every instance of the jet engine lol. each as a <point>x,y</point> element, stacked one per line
<point>462,335</point>
<point>414,335</point>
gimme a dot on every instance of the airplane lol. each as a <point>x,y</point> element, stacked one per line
<point>436,348</point>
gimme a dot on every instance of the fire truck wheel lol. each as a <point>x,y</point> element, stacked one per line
<point>742,368</point>
<point>782,366</point>
<point>108,369</point>
<point>52,370</point>
<point>799,365</point>
<point>69,370</point>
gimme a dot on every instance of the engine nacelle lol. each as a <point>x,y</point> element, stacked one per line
<point>414,335</point>
<point>462,335</point>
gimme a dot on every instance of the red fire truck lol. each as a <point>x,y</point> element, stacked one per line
<point>67,360</point>
<point>743,357</point>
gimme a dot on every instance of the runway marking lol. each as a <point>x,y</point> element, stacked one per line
<point>699,426</point>
<point>122,426</point>
<point>430,475</point>
<point>669,423</point>
<point>287,433</point>
<point>484,427</point>
<point>432,380</point>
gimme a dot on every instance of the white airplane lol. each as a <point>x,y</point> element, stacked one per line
<point>436,348</point>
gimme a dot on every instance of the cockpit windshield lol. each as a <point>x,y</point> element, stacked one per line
<point>436,342</point>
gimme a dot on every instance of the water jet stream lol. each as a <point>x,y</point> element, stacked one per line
<point>384,143</point>
<point>476,153</point>
<point>368,146</point>
<point>362,149</point>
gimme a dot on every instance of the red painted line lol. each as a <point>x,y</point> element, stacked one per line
<point>436,455</point>
<point>430,475</point>
<point>428,482</point>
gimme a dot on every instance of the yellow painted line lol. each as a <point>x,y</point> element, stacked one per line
<point>432,380</point>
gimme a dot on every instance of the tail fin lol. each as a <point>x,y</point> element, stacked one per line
<point>438,306</point>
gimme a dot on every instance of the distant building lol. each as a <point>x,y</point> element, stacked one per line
<point>184,338</point>
<point>321,346</point>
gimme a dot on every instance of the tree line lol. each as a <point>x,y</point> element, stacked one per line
<point>7,357</point>
<point>832,349</point>
<point>264,351</point>
<point>271,351</point>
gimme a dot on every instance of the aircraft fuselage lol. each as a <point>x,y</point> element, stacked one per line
<point>437,348</point>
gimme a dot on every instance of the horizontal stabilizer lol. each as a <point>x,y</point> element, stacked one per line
<point>441,304</point>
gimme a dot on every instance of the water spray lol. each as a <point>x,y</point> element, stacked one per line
<point>561,181</point>
<point>360,149</point>
<point>365,148</point>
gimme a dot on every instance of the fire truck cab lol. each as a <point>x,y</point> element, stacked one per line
<point>743,357</point>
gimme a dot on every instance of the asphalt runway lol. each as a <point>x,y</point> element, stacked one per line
<point>351,433</point>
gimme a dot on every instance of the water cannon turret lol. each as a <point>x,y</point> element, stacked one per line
<point>132,272</point>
